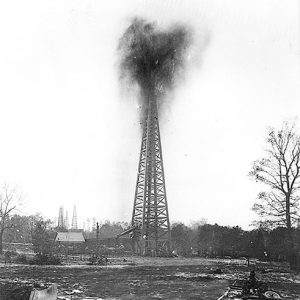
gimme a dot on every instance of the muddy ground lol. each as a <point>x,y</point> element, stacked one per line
<point>151,278</point>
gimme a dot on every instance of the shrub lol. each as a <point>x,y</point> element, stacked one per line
<point>21,259</point>
<point>11,253</point>
<point>41,259</point>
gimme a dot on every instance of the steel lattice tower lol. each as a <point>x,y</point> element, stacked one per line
<point>150,218</point>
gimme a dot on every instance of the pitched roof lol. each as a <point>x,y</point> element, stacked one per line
<point>71,237</point>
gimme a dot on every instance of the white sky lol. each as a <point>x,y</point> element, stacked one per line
<point>69,136</point>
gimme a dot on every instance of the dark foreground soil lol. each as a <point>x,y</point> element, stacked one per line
<point>150,278</point>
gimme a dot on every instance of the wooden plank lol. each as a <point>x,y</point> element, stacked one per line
<point>48,294</point>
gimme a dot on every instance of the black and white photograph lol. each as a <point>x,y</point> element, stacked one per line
<point>150,149</point>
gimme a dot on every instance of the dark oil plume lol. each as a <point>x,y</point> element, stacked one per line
<point>153,58</point>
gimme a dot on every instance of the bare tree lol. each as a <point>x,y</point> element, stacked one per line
<point>280,172</point>
<point>8,204</point>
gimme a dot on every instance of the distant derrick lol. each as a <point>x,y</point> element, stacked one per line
<point>61,223</point>
<point>74,219</point>
<point>66,223</point>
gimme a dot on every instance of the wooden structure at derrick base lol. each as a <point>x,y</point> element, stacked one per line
<point>150,226</point>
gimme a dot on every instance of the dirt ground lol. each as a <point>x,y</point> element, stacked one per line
<point>151,278</point>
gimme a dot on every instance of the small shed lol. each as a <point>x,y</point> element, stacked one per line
<point>70,237</point>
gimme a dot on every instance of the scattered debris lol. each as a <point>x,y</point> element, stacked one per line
<point>158,278</point>
<point>95,259</point>
<point>217,271</point>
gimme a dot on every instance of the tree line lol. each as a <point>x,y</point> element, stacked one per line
<point>215,241</point>
<point>204,240</point>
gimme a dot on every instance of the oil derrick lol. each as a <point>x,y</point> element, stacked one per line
<point>150,218</point>
<point>61,223</point>
<point>66,223</point>
<point>74,219</point>
<point>152,59</point>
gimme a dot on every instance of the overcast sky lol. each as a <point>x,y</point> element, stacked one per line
<point>70,136</point>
